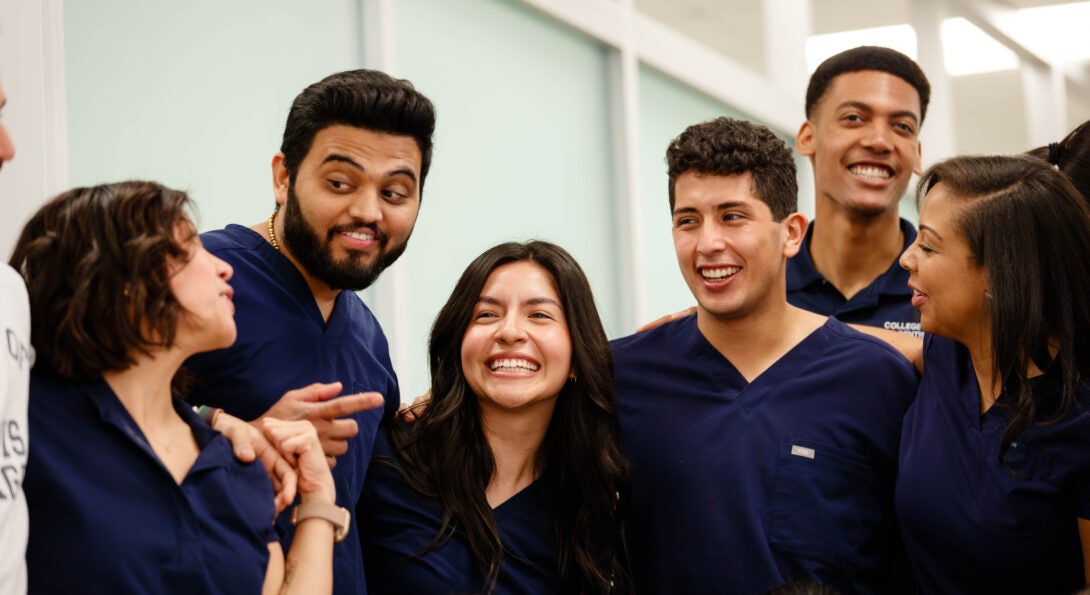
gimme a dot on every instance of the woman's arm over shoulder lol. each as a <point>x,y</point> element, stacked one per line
<point>910,347</point>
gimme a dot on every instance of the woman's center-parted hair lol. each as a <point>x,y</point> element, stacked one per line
<point>568,279</point>
<point>446,455</point>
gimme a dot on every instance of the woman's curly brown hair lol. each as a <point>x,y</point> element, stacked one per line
<point>95,261</point>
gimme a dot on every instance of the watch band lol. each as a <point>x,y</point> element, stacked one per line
<point>337,516</point>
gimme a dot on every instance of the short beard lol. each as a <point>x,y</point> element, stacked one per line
<point>316,256</point>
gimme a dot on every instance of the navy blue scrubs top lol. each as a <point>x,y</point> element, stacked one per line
<point>107,517</point>
<point>885,303</point>
<point>739,487</point>
<point>283,344</point>
<point>397,525</point>
<point>970,524</point>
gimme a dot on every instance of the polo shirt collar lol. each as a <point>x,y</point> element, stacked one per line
<point>293,281</point>
<point>894,281</point>
<point>112,412</point>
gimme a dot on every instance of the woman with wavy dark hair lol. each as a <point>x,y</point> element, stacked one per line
<point>993,492</point>
<point>512,480</point>
<point>129,491</point>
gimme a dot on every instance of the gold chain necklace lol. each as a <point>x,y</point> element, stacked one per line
<point>272,234</point>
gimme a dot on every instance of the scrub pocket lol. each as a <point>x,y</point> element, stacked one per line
<point>824,505</point>
<point>1019,497</point>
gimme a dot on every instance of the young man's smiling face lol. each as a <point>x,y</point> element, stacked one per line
<point>731,251</point>
<point>863,141</point>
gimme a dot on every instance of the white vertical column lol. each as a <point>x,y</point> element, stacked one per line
<point>388,297</point>
<point>937,135</point>
<point>379,36</point>
<point>32,72</point>
<point>1059,102</point>
<point>629,256</point>
<point>787,25</point>
<point>1044,122</point>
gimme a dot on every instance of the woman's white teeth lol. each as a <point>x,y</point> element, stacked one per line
<point>721,273</point>
<point>512,365</point>
<point>867,171</point>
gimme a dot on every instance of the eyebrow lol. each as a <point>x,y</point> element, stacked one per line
<point>931,230</point>
<point>861,105</point>
<point>484,299</point>
<point>730,204</point>
<point>338,158</point>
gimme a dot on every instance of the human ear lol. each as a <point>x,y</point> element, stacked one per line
<point>281,179</point>
<point>794,229</point>
<point>804,139</point>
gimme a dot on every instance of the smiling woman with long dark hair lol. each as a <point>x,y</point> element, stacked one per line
<point>512,480</point>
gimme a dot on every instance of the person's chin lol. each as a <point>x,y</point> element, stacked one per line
<point>874,208</point>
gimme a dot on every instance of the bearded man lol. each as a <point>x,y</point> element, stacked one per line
<point>348,179</point>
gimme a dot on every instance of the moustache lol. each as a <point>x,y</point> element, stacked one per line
<point>378,234</point>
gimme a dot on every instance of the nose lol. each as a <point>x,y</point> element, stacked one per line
<point>908,258</point>
<point>223,269</point>
<point>710,240</point>
<point>366,206</point>
<point>7,148</point>
<point>510,330</point>
<point>877,138</point>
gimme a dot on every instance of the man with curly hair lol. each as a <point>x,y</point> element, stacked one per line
<point>763,437</point>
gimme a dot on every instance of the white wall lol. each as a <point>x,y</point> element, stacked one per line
<point>32,72</point>
<point>194,94</point>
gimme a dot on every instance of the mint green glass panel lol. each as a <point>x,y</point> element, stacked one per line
<point>194,94</point>
<point>522,150</point>
<point>667,107</point>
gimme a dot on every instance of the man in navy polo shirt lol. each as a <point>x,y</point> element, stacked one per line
<point>763,438</point>
<point>864,109</point>
<point>356,150</point>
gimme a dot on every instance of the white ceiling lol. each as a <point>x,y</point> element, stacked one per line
<point>988,108</point>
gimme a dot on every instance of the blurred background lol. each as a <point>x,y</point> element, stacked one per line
<point>554,115</point>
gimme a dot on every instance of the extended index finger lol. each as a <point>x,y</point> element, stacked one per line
<point>348,405</point>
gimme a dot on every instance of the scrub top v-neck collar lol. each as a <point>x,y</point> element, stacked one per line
<point>293,280</point>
